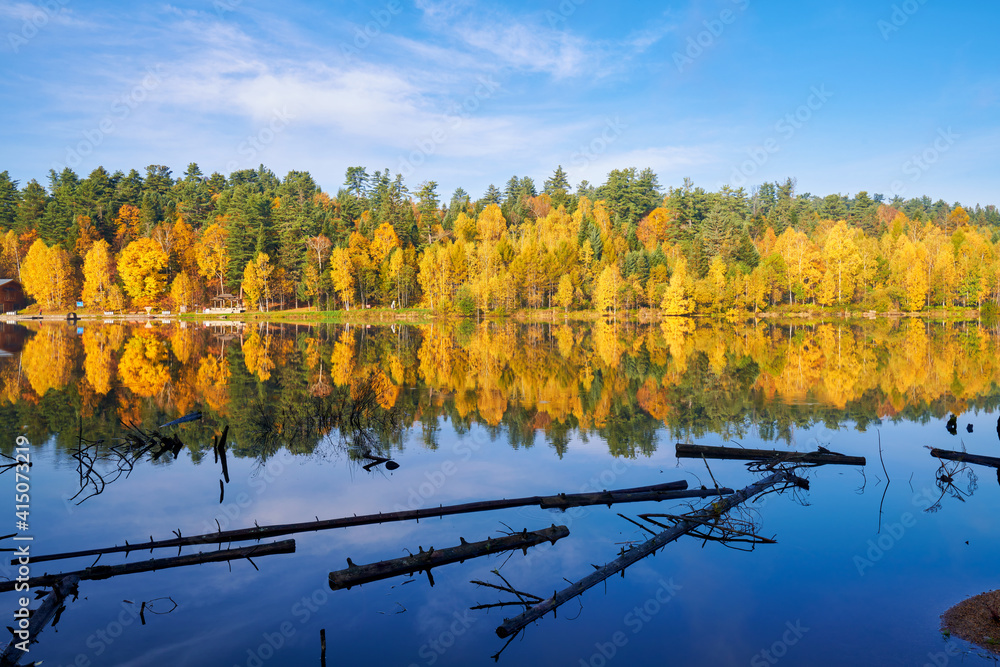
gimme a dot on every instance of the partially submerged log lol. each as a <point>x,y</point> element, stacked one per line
<point>635,554</point>
<point>976,459</point>
<point>108,571</point>
<point>689,451</point>
<point>355,575</point>
<point>657,492</point>
<point>39,619</point>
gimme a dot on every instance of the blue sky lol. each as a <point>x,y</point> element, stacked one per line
<point>893,97</point>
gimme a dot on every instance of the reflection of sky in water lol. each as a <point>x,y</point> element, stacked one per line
<point>731,605</point>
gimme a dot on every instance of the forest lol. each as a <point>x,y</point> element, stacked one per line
<point>120,242</point>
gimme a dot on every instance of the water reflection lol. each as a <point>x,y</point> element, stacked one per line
<point>620,383</point>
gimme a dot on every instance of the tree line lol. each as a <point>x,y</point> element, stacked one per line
<point>117,241</point>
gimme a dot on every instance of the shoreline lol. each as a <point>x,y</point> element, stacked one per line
<point>422,316</point>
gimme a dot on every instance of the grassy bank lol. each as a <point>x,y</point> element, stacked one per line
<point>783,312</point>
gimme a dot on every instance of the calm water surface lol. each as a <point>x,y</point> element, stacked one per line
<point>860,574</point>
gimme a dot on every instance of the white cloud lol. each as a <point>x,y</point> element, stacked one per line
<point>515,42</point>
<point>39,15</point>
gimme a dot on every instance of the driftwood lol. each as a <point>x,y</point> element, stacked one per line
<point>669,491</point>
<point>40,618</point>
<point>635,554</point>
<point>976,459</point>
<point>739,454</point>
<point>107,571</point>
<point>355,575</point>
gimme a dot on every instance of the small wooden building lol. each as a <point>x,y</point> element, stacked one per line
<point>12,296</point>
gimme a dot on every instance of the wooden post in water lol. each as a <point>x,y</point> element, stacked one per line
<point>657,492</point>
<point>685,450</point>
<point>355,575</point>
<point>976,459</point>
<point>108,571</point>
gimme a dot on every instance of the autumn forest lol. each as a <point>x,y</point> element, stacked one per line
<point>119,242</point>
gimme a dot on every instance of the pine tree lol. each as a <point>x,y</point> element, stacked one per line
<point>9,199</point>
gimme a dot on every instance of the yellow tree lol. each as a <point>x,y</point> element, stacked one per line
<point>256,281</point>
<point>945,277</point>
<point>182,290</point>
<point>676,300</point>
<point>141,266</point>
<point>211,255</point>
<point>840,253</point>
<point>716,279</point>
<point>98,275</point>
<point>939,267</point>
<point>311,283</point>
<point>383,243</point>
<point>908,271</point>
<point>975,256</point>
<point>359,250</point>
<point>46,276</point>
<point>490,227</point>
<point>957,218</point>
<point>606,291</point>
<point>564,295</point>
<point>465,227</point>
<point>435,275</point>
<point>802,261</point>
<point>10,254</point>
<point>342,275</point>
<point>183,248</point>
<point>128,225</point>
<point>654,227</point>
<point>868,255</point>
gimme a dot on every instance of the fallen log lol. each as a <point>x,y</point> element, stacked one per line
<point>689,451</point>
<point>108,571</point>
<point>355,575</point>
<point>635,554</point>
<point>976,459</point>
<point>657,492</point>
<point>40,618</point>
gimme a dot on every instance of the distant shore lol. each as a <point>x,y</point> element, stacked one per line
<point>426,316</point>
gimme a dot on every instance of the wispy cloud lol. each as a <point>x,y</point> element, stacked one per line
<point>521,42</point>
<point>39,15</point>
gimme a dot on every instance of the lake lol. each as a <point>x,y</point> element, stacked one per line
<point>865,561</point>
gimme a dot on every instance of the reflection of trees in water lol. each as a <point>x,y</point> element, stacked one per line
<point>522,383</point>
